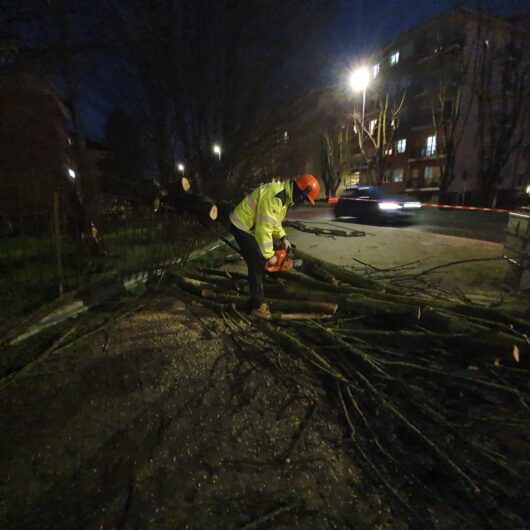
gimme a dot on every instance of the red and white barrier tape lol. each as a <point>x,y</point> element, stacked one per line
<point>431,205</point>
<point>453,207</point>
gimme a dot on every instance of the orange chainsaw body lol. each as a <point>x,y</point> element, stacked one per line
<point>283,262</point>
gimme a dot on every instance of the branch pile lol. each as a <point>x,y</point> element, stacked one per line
<point>434,394</point>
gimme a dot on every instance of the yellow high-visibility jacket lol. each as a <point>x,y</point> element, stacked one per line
<point>261,214</point>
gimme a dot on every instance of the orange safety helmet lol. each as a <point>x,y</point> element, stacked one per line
<point>309,186</point>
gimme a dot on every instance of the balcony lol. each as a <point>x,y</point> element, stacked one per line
<point>422,183</point>
<point>423,152</point>
<point>426,50</point>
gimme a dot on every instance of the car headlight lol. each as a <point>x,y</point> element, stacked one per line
<point>389,206</point>
<point>412,205</point>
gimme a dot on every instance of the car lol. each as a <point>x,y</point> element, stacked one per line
<point>374,204</point>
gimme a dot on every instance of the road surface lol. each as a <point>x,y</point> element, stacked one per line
<point>486,226</point>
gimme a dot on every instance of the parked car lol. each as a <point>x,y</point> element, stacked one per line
<point>375,204</point>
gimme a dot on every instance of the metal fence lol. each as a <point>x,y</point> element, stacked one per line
<point>44,253</point>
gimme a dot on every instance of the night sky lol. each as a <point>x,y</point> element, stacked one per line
<point>359,27</point>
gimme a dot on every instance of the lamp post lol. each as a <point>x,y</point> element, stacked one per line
<point>217,150</point>
<point>180,168</point>
<point>359,80</point>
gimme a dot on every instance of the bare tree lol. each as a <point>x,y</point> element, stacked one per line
<point>451,108</point>
<point>500,88</point>
<point>125,167</point>
<point>209,72</point>
<point>329,149</point>
<point>376,141</point>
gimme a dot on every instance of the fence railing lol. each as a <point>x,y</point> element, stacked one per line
<point>44,254</point>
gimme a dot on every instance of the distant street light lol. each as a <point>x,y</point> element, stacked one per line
<point>217,150</point>
<point>180,167</point>
<point>71,172</point>
<point>359,80</point>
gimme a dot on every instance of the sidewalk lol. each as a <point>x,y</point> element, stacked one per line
<point>386,247</point>
<point>161,421</point>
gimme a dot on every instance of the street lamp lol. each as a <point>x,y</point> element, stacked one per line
<point>359,80</point>
<point>180,167</point>
<point>217,150</point>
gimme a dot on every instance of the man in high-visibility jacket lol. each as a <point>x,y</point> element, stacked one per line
<point>256,223</point>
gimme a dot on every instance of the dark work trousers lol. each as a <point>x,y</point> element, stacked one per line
<point>255,264</point>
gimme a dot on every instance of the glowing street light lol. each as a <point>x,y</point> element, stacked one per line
<point>359,80</point>
<point>180,167</point>
<point>217,150</point>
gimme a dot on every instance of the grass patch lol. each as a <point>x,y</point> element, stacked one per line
<point>28,264</point>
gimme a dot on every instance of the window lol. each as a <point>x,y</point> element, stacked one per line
<point>401,145</point>
<point>431,175</point>
<point>354,179</point>
<point>375,70</point>
<point>394,57</point>
<point>372,125</point>
<point>430,146</point>
<point>351,180</point>
<point>428,174</point>
<point>388,151</point>
<point>397,174</point>
<point>387,177</point>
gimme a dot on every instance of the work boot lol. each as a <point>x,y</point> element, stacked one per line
<point>262,311</point>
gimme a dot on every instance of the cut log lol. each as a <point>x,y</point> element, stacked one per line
<point>185,183</point>
<point>304,316</point>
<point>196,287</point>
<point>277,306</point>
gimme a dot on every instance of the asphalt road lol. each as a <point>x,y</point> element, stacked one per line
<point>486,226</point>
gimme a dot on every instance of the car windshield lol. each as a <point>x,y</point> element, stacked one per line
<point>361,193</point>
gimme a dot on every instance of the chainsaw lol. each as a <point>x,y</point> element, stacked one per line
<point>284,261</point>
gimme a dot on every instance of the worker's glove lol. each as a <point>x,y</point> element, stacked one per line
<point>273,260</point>
<point>286,244</point>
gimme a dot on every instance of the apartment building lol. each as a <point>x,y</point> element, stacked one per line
<point>447,111</point>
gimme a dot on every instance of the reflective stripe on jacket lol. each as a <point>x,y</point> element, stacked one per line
<point>261,213</point>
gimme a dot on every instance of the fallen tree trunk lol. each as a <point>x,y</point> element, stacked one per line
<point>333,273</point>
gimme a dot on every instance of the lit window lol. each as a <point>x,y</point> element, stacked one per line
<point>375,70</point>
<point>386,177</point>
<point>528,189</point>
<point>430,146</point>
<point>397,174</point>
<point>394,57</point>
<point>372,125</point>
<point>285,136</point>
<point>388,151</point>
<point>401,145</point>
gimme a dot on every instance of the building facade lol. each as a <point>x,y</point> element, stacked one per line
<point>447,111</point>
